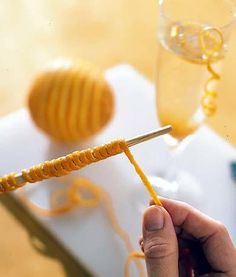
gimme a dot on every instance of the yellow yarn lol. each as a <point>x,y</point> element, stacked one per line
<point>74,197</point>
<point>75,161</point>
<point>207,50</point>
<point>214,37</point>
<point>130,258</point>
<point>71,102</point>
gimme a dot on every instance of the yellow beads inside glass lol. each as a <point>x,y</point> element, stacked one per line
<point>71,102</point>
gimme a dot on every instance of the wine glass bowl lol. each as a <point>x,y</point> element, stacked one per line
<point>193,41</point>
<point>193,37</point>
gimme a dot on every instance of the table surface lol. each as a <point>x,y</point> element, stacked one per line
<point>203,169</point>
<point>106,33</point>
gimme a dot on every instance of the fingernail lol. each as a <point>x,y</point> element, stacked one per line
<point>154,219</point>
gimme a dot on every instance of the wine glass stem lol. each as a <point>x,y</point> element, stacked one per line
<point>172,166</point>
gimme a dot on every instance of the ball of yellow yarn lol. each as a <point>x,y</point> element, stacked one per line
<point>71,102</point>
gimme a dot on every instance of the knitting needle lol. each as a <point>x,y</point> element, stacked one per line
<point>148,136</point>
<point>131,142</point>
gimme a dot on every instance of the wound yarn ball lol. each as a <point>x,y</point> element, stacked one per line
<point>71,102</point>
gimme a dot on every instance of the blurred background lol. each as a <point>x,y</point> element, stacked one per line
<point>104,32</point>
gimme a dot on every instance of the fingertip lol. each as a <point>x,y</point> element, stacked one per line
<point>153,218</point>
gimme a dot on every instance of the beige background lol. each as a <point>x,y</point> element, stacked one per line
<point>103,31</point>
<point>17,256</point>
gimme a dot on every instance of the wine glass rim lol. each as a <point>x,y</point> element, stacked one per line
<point>230,2</point>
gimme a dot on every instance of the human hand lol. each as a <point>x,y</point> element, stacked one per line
<point>166,229</point>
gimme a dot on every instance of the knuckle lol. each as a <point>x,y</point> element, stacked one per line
<point>221,228</point>
<point>157,249</point>
<point>186,206</point>
<point>151,202</point>
<point>140,241</point>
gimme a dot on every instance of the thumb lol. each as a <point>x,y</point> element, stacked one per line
<point>160,243</point>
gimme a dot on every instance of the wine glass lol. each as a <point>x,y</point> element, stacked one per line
<point>193,41</point>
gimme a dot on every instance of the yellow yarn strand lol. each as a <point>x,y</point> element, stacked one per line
<point>75,161</point>
<point>95,118</point>
<point>208,49</point>
<point>208,100</point>
<point>62,106</point>
<point>133,256</point>
<point>142,176</point>
<point>74,198</point>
